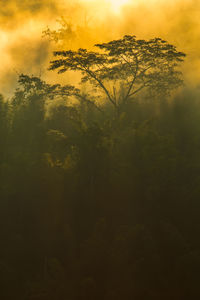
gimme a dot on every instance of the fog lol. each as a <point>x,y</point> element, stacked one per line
<point>24,48</point>
<point>99,182</point>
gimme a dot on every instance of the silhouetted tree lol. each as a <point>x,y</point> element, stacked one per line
<point>129,65</point>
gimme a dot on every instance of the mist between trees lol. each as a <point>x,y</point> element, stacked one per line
<point>100,182</point>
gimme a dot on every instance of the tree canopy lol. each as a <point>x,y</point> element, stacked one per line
<point>122,68</point>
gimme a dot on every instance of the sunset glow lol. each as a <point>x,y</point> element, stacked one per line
<point>118,4</point>
<point>25,49</point>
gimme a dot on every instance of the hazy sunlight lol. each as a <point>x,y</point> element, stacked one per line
<point>117,4</point>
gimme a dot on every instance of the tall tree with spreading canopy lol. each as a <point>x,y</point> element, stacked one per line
<point>124,67</point>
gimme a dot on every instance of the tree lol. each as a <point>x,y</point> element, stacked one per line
<point>123,67</point>
<point>30,86</point>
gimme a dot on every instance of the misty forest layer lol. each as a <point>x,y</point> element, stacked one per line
<point>100,182</point>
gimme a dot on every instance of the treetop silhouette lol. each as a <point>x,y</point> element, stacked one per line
<point>31,84</point>
<point>128,64</point>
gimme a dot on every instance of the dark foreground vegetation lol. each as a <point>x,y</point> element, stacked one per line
<point>100,201</point>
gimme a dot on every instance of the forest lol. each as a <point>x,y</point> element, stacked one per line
<point>100,181</point>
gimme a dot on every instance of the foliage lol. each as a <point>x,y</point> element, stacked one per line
<point>98,207</point>
<point>131,65</point>
<point>65,32</point>
<point>30,85</point>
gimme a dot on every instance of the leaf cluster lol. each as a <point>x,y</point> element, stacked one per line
<point>132,63</point>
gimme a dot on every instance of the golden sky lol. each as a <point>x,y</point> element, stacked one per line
<point>24,50</point>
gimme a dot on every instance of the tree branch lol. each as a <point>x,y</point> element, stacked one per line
<point>133,81</point>
<point>101,85</point>
<point>136,91</point>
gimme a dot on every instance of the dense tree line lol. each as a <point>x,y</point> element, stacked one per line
<point>97,204</point>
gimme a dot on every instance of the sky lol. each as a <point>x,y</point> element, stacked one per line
<point>24,47</point>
